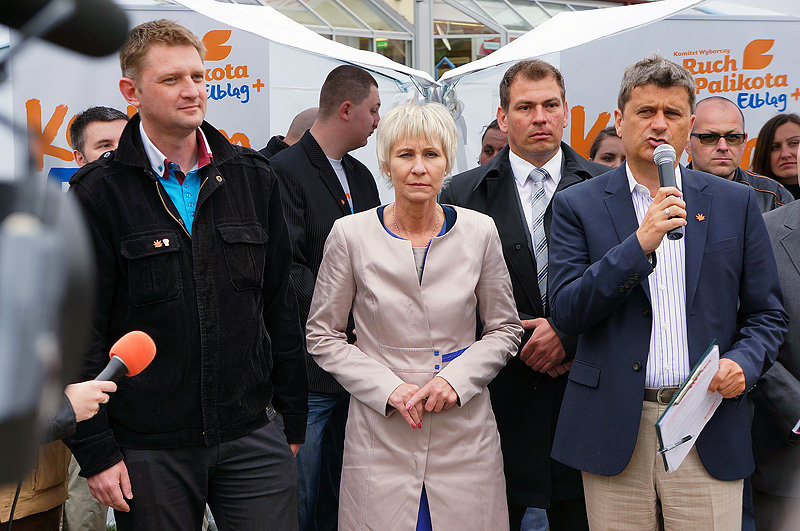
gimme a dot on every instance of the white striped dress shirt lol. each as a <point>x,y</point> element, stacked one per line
<point>521,169</point>
<point>668,358</point>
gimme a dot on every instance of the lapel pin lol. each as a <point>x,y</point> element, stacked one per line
<point>166,242</point>
<point>157,244</point>
<point>700,217</point>
<point>342,200</point>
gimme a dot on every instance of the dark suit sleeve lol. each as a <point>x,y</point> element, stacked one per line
<point>762,319</point>
<point>294,209</point>
<point>583,294</point>
<point>570,343</point>
<point>283,326</point>
<point>93,443</point>
<point>778,392</point>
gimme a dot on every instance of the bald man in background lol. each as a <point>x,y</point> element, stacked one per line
<point>300,124</point>
<point>716,146</point>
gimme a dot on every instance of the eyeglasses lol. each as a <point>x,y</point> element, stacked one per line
<point>711,139</point>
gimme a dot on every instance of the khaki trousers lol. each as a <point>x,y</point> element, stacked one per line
<point>645,497</point>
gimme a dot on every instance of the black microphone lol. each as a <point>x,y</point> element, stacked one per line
<point>664,157</point>
<point>91,27</point>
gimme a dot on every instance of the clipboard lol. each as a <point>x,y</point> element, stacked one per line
<point>710,405</point>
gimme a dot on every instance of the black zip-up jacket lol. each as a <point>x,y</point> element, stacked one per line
<point>219,304</point>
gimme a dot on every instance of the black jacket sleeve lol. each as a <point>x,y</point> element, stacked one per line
<point>283,326</point>
<point>93,443</point>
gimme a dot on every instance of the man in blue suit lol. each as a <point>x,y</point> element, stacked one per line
<point>646,308</point>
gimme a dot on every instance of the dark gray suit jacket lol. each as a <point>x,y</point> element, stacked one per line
<point>777,394</point>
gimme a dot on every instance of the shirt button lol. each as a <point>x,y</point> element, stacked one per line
<point>662,287</point>
<point>665,326</point>
<point>667,367</point>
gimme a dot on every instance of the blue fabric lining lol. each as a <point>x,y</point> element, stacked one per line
<point>424,515</point>
<point>453,355</point>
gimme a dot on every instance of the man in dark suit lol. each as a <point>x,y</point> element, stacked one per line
<point>646,308</point>
<point>300,124</point>
<point>776,420</point>
<point>320,183</point>
<point>527,393</point>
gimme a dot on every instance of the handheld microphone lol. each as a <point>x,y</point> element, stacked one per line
<point>130,355</point>
<point>664,157</point>
<point>92,27</point>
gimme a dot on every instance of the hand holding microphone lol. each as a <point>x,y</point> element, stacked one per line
<point>86,397</point>
<point>130,355</point>
<point>667,213</point>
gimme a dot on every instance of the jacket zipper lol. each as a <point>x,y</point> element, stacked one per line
<point>180,221</point>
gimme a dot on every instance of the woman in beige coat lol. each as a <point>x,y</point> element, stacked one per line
<point>413,274</point>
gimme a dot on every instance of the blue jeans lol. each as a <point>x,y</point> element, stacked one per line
<point>319,461</point>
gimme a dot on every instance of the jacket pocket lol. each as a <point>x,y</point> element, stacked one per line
<point>584,374</point>
<point>154,271</point>
<point>245,248</point>
<point>722,245</point>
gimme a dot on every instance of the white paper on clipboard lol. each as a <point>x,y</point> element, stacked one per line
<point>689,411</point>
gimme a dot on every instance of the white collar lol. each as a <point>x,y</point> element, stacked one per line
<point>632,183</point>
<point>522,168</point>
<point>156,158</point>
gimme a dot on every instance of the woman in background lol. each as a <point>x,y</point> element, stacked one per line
<point>413,273</point>
<point>607,148</point>
<point>775,154</point>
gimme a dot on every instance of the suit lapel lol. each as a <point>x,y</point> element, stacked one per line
<point>791,238</point>
<point>698,203</point>
<point>620,209</point>
<point>502,204</point>
<point>318,159</point>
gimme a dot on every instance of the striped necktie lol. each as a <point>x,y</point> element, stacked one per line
<point>538,236</point>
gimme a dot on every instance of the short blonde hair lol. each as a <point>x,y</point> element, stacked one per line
<point>143,36</point>
<point>430,121</point>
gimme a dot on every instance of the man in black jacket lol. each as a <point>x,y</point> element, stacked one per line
<point>716,147</point>
<point>527,393</point>
<point>192,248</point>
<point>321,182</point>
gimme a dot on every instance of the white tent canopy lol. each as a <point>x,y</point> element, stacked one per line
<point>266,22</point>
<point>716,40</point>
<point>570,29</point>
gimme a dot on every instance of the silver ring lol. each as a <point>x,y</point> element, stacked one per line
<point>666,211</point>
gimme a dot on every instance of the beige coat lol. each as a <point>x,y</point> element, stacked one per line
<point>405,332</point>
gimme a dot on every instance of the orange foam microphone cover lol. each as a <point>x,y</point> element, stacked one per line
<point>136,349</point>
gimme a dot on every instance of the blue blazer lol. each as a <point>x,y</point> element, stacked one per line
<point>599,292</point>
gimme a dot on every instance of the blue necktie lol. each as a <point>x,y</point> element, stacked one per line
<point>538,236</point>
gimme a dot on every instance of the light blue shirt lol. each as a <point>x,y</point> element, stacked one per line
<point>183,195</point>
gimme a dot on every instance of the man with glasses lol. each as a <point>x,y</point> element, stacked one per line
<point>716,146</point>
